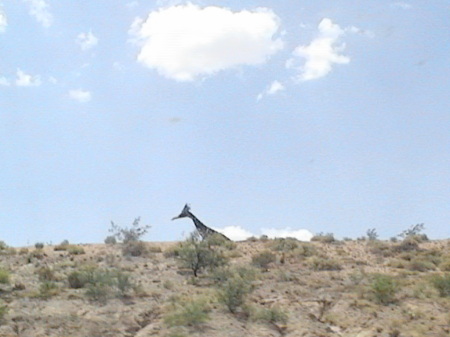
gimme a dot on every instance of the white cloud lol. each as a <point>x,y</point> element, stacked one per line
<point>80,95</point>
<point>3,20</point>
<point>274,88</point>
<point>237,233</point>
<point>401,5</point>
<point>299,234</point>
<point>186,42</point>
<point>4,82</point>
<point>27,80</point>
<point>86,41</point>
<point>39,9</point>
<point>320,55</point>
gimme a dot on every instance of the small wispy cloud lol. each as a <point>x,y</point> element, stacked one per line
<point>3,20</point>
<point>40,10</point>
<point>80,95</point>
<point>237,233</point>
<point>4,82</point>
<point>274,88</point>
<point>86,41</point>
<point>26,80</point>
<point>187,42</point>
<point>401,5</point>
<point>322,53</point>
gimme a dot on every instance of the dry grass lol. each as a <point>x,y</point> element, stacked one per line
<point>323,288</point>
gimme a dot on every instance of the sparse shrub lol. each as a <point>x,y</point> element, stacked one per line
<point>110,240</point>
<point>154,249</point>
<point>45,274</point>
<point>75,250</point>
<point>3,311</point>
<point>48,289</point>
<point>264,238</point>
<point>131,234</point>
<point>442,284</point>
<point>324,263</point>
<point>324,238</point>
<point>393,239</point>
<point>384,288</point>
<point>124,283</point>
<point>197,255</point>
<point>168,284</point>
<point>285,244</point>
<point>23,251</point>
<point>421,264</point>
<point>4,276</point>
<point>134,248</point>
<point>414,230</point>
<point>3,245</point>
<point>445,264</point>
<point>305,250</point>
<point>172,251</point>
<point>272,315</point>
<point>233,292</point>
<point>77,279</point>
<point>218,240</point>
<point>192,312</point>
<point>407,245</point>
<point>263,259</point>
<point>372,234</point>
<point>39,245</point>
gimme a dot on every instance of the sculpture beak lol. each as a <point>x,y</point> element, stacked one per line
<point>176,217</point>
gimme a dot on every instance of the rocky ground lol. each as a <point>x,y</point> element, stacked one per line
<point>324,288</point>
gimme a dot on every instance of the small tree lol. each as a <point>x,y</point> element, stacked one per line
<point>413,230</point>
<point>132,234</point>
<point>197,254</point>
<point>372,234</point>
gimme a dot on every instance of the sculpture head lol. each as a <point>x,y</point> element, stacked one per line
<point>184,213</point>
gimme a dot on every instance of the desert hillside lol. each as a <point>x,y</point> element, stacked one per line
<point>259,287</point>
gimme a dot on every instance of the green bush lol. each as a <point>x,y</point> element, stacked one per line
<point>4,276</point>
<point>421,264</point>
<point>77,279</point>
<point>48,289</point>
<point>134,248</point>
<point>442,284</point>
<point>324,238</point>
<point>193,312</point>
<point>46,274</point>
<point>198,255</point>
<point>39,245</point>
<point>384,288</point>
<point>272,315</point>
<point>233,292</point>
<point>3,311</point>
<point>285,244</point>
<point>263,259</point>
<point>110,240</point>
<point>324,263</point>
<point>75,250</point>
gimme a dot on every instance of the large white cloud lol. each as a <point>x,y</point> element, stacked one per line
<point>237,233</point>
<point>185,42</point>
<point>40,10</point>
<point>3,20</point>
<point>320,55</point>
<point>299,234</point>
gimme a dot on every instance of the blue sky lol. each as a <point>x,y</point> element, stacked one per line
<point>268,117</point>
